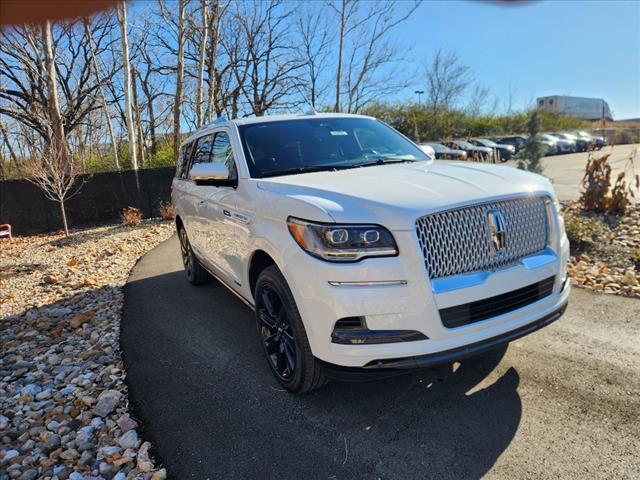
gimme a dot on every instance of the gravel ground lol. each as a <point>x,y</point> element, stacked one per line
<point>64,408</point>
<point>606,263</point>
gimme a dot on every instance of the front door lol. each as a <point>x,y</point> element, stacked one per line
<point>217,211</point>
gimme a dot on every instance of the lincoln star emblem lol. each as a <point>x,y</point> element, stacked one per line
<point>497,231</point>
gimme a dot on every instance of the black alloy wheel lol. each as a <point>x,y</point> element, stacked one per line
<point>275,331</point>
<point>283,336</point>
<point>196,274</point>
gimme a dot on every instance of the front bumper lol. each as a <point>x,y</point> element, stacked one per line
<point>413,305</point>
<point>398,366</point>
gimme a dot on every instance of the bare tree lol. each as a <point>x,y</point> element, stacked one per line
<point>371,50</point>
<point>202,50</point>
<point>131,132</point>
<point>58,143</point>
<point>478,100</point>
<point>447,80</point>
<point>179,79</point>
<point>213,85</point>
<point>261,56</point>
<point>363,38</point>
<point>153,74</point>
<point>103,99</point>
<point>56,175</point>
<point>345,5</point>
<point>313,51</point>
<point>137,116</point>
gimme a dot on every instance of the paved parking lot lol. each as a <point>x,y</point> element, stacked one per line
<point>560,403</point>
<point>566,171</point>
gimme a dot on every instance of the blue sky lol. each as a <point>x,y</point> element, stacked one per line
<point>583,48</point>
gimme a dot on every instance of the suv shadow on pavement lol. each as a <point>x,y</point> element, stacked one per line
<point>201,386</point>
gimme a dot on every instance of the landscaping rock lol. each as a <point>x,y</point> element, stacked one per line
<point>63,408</point>
<point>107,402</point>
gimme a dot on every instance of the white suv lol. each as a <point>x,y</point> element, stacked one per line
<point>359,254</point>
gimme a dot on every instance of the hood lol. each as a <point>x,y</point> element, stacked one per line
<point>396,195</point>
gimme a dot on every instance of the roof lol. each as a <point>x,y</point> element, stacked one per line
<point>266,119</point>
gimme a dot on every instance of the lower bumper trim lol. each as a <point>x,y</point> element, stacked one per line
<point>396,366</point>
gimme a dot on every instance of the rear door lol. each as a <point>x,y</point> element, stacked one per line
<point>181,193</point>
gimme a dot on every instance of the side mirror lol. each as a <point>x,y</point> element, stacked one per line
<point>214,174</point>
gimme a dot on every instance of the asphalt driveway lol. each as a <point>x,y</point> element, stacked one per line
<point>560,403</point>
<point>566,171</point>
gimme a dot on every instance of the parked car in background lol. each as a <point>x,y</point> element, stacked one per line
<point>445,153</point>
<point>517,141</point>
<point>581,145</point>
<point>556,145</point>
<point>474,152</point>
<point>505,152</point>
<point>358,254</point>
<point>596,142</point>
<point>428,150</point>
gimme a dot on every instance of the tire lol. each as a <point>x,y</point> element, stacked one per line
<point>283,336</point>
<point>196,274</point>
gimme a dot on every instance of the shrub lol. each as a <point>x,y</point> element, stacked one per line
<point>619,196</point>
<point>596,183</point>
<point>598,196</point>
<point>532,150</point>
<point>582,229</point>
<point>166,211</point>
<point>131,216</point>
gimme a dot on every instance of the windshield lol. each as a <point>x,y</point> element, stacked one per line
<point>437,147</point>
<point>487,143</point>
<point>307,145</point>
<point>464,144</point>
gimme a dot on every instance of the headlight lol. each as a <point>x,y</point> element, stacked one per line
<point>342,243</point>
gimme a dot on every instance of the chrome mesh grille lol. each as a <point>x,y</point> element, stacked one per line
<point>459,241</point>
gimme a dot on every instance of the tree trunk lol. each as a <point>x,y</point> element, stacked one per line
<point>63,214</point>
<point>138,119</point>
<point>122,20</point>
<point>58,140</point>
<point>201,63</point>
<point>152,128</point>
<point>179,79</point>
<point>340,48</point>
<point>103,100</point>
<point>5,135</point>
<point>214,28</point>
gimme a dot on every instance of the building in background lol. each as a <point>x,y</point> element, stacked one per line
<point>579,107</point>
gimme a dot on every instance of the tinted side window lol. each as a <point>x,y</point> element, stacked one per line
<point>183,160</point>
<point>223,153</point>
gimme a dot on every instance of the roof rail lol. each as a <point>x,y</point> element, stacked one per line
<point>218,120</point>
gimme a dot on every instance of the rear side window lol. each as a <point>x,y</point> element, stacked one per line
<point>183,160</point>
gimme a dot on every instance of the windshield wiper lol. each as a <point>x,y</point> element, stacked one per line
<point>306,169</point>
<point>383,161</point>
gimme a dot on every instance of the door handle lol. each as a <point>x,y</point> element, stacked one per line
<point>240,218</point>
<point>226,213</point>
<point>202,203</point>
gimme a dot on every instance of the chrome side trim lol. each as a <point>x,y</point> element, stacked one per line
<point>229,287</point>
<point>378,283</point>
